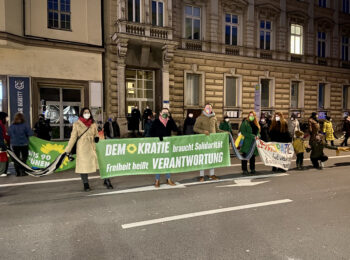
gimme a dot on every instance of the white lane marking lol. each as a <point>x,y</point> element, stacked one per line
<point>141,189</point>
<point>187,184</point>
<point>47,181</point>
<point>243,183</point>
<point>203,213</point>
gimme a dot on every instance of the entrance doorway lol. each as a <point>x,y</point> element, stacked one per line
<point>140,85</point>
<point>61,106</point>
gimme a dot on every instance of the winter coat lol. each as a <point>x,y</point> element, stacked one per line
<point>328,129</point>
<point>226,126</point>
<point>4,142</point>
<point>147,112</point>
<point>264,132</point>
<point>42,130</point>
<point>346,127</point>
<point>188,126</point>
<point>205,123</point>
<point>293,126</point>
<point>147,130</point>
<point>277,136</point>
<point>314,128</point>
<point>19,134</point>
<point>317,149</point>
<point>299,145</point>
<point>86,160</point>
<point>135,119</point>
<point>247,131</point>
<point>115,128</point>
<point>159,130</point>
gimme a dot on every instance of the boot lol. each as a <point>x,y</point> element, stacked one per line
<point>201,179</point>
<point>245,172</point>
<point>86,187</point>
<point>108,184</point>
<point>213,177</point>
<point>157,184</point>
<point>170,182</point>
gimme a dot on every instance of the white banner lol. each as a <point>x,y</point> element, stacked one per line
<point>275,154</point>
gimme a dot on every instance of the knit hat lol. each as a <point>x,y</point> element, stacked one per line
<point>299,133</point>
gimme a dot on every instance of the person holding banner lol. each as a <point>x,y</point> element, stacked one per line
<point>207,124</point>
<point>279,133</point>
<point>162,127</point>
<point>84,135</point>
<point>250,129</point>
<point>19,133</point>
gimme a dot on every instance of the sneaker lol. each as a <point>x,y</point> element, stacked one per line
<point>321,165</point>
<point>3,175</point>
<point>213,177</point>
<point>201,179</point>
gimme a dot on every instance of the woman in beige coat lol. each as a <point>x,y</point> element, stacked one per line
<point>86,135</point>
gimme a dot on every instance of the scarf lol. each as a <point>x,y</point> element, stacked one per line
<point>87,123</point>
<point>208,115</point>
<point>164,121</point>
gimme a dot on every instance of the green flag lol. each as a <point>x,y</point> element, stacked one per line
<point>117,157</point>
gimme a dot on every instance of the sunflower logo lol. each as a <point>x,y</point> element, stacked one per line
<point>47,148</point>
<point>131,148</point>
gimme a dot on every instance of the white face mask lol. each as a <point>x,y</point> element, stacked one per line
<point>277,118</point>
<point>292,119</point>
<point>7,119</point>
<point>227,119</point>
<point>190,115</point>
<point>86,116</point>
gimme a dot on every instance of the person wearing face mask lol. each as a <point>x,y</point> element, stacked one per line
<point>111,128</point>
<point>314,126</point>
<point>279,133</point>
<point>346,130</point>
<point>162,127</point>
<point>293,125</point>
<point>250,129</point>
<point>207,124</point>
<point>264,128</point>
<point>85,131</point>
<point>146,113</point>
<point>225,125</point>
<point>328,130</point>
<point>4,143</point>
<point>135,121</point>
<point>189,124</point>
<point>317,155</point>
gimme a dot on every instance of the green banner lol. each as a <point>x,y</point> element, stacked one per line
<point>117,157</point>
<point>42,153</point>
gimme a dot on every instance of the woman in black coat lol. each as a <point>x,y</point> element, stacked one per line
<point>279,133</point>
<point>162,127</point>
<point>189,124</point>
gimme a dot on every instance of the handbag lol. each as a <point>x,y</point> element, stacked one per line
<point>74,148</point>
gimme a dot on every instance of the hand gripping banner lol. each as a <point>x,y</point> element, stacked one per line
<point>117,157</point>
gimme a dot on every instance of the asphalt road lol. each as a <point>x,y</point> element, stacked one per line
<point>298,215</point>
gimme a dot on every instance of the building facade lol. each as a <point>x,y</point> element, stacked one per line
<point>51,59</point>
<point>186,53</point>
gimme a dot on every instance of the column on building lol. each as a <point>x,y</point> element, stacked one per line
<point>168,54</point>
<point>310,48</point>
<point>250,29</point>
<point>282,31</point>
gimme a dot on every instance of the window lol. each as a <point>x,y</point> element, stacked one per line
<point>192,23</point>
<point>346,8</point>
<point>346,97</point>
<point>231,92</point>
<point>321,95</point>
<point>321,48</point>
<point>265,34</point>
<point>59,14</point>
<point>157,13</point>
<point>193,89</point>
<point>322,3</point>
<point>345,48</point>
<point>265,93</point>
<point>231,29</point>
<point>296,39</point>
<point>134,11</point>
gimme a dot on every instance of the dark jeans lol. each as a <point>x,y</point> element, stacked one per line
<point>315,163</point>
<point>251,163</point>
<point>345,142</point>
<point>300,159</point>
<point>84,178</point>
<point>332,143</point>
<point>22,153</point>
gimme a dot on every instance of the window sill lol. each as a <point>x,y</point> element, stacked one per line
<point>53,28</point>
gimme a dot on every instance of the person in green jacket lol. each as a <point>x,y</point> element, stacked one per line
<point>225,125</point>
<point>250,129</point>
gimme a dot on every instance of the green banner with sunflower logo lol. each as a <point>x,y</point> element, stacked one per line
<point>42,153</point>
<point>117,157</point>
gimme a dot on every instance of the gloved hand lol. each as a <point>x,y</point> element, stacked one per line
<point>70,157</point>
<point>161,138</point>
<point>97,139</point>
